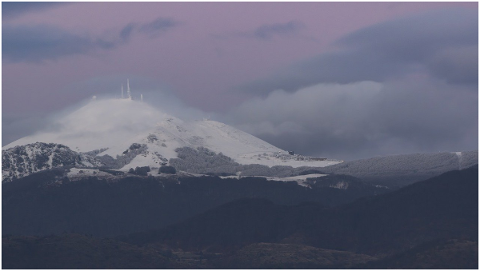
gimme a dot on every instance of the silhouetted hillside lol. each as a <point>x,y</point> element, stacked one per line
<point>49,203</point>
<point>430,224</point>
<point>229,226</point>
<point>441,207</point>
<point>444,207</point>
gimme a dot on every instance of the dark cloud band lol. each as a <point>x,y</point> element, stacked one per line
<point>442,44</point>
<point>44,42</point>
<point>15,9</point>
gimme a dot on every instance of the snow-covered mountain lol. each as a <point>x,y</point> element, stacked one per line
<point>125,133</point>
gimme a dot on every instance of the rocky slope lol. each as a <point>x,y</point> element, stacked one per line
<point>24,160</point>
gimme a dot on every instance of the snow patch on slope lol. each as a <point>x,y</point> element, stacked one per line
<point>301,179</point>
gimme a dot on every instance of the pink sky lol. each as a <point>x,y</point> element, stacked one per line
<point>203,56</point>
<point>223,58</point>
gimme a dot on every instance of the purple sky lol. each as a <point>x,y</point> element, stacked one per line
<point>248,64</point>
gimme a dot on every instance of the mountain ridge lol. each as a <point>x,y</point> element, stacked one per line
<point>400,170</point>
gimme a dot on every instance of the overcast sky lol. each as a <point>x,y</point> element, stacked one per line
<point>341,80</point>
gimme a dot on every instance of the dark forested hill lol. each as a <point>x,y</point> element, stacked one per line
<point>444,207</point>
<point>429,224</point>
<point>49,203</point>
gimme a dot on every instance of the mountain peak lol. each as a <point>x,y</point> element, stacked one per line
<point>109,127</point>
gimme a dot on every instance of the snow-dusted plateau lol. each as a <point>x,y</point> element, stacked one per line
<point>126,134</point>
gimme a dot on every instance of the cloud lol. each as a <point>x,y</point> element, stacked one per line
<point>434,44</point>
<point>154,93</point>
<point>401,86</point>
<point>457,65</point>
<point>42,42</point>
<point>158,25</point>
<point>364,119</point>
<point>268,31</point>
<point>14,9</point>
<point>153,29</point>
<point>24,43</point>
<point>127,31</point>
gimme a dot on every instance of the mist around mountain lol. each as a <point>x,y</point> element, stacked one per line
<point>429,224</point>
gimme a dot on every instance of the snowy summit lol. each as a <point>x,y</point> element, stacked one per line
<point>117,127</point>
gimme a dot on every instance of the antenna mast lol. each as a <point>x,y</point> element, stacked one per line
<point>128,90</point>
